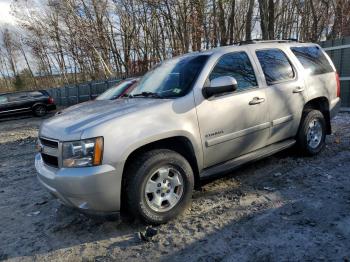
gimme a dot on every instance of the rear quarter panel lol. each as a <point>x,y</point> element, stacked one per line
<point>321,85</point>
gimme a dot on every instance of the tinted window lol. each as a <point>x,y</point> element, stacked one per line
<point>275,65</point>
<point>172,78</point>
<point>312,59</point>
<point>3,99</point>
<point>238,66</point>
<point>17,96</point>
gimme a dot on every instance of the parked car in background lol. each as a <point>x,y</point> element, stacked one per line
<point>118,90</point>
<point>188,119</point>
<point>39,102</point>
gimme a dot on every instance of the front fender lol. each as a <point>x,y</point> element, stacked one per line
<point>171,134</point>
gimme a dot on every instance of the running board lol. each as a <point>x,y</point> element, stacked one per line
<point>252,156</point>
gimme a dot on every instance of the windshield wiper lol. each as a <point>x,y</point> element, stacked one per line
<point>147,94</point>
<point>126,95</point>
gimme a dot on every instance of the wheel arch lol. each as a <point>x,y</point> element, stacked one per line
<point>179,144</point>
<point>38,104</point>
<point>321,104</point>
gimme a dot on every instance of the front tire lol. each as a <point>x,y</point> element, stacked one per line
<point>312,132</point>
<point>159,186</point>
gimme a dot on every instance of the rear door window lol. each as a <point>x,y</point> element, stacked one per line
<point>312,59</point>
<point>275,65</point>
<point>238,66</point>
<point>17,96</point>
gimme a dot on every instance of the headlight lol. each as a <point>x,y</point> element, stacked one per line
<point>82,153</point>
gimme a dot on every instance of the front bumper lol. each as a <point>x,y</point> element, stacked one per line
<point>93,190</point>
<point>334,107</point>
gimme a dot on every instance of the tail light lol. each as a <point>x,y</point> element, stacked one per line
<point>338,84</point>
<point>51,101</point>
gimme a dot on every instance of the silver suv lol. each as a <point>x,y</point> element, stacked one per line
<point>187,119</point>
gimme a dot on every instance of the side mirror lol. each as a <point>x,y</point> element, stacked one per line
<point>220,85</point>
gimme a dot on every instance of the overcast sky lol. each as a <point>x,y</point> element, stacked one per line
<point>5,9</point>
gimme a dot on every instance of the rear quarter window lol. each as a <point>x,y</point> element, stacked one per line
<point>313,59</point>
<point>36,94</point>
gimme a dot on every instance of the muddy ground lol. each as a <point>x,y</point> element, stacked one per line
<point>283,208</point>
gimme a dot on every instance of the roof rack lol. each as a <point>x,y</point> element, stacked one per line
<point>257,41</point>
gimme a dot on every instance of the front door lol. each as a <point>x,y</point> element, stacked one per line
<point>235,123</point>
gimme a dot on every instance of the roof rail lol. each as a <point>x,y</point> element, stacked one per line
<point>256,41</point>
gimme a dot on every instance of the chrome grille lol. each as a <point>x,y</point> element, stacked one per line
<point>49,151</point>
<point>49,143</point>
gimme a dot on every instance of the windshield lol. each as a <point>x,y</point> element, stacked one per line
<point>115,92</point>
<point>171,78</point>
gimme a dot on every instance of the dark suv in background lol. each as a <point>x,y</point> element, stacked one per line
<point>38,102</point>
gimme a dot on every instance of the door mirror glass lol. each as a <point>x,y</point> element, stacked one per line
<point>220,85</point>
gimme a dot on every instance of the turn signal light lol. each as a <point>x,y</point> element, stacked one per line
<point>98,152</point>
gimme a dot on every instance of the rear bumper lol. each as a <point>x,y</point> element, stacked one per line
<point>334,107</point>
<point>51,107</point>
<point>94,190</point>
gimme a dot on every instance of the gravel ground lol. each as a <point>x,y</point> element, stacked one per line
<point>282,208</point>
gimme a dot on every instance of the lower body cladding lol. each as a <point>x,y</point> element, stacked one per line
<point>94,190</point>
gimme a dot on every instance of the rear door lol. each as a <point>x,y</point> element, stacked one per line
<point>235,123</point>
<point>19,102</point>
<point>285,91</point>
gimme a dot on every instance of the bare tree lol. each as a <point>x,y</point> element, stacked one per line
<point>69,41</point>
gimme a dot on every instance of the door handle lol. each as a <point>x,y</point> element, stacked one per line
<point>256,100</point>
<point>298,90</point>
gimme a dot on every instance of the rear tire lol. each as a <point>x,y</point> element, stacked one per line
<point>40,110</point>
<point>312,132</point>
<point>159,186</point>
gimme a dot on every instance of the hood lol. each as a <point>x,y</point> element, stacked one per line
<point>69,124</point>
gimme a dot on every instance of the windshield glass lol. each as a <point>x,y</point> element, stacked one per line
<point>171,78</point>
<point>115,92</point>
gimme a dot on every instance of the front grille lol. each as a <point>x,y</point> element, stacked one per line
<point>49,152</point>
<point>49,143</point>
<point>50,160</point>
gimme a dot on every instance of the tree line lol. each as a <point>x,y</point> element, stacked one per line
<point>59,42</point>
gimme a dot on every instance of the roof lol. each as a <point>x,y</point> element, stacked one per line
<point>23,91</point>
<point>272,43</point>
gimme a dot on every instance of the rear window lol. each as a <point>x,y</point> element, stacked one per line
<point>275,65</point>
<point>312,59</point>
